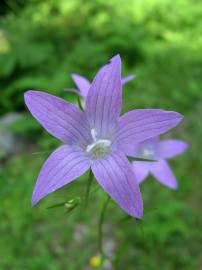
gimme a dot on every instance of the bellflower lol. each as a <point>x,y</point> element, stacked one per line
<point>83,85</point>
<point>160,151</point>
<point>97,139</point>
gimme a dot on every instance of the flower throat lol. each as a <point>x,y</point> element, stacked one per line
<point>99,147</point>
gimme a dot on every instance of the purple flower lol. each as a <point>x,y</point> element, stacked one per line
<point>160,151</point>
<point>83,84</point>
<point>97,138</point>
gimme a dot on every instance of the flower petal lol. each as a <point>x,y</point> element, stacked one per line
<point>82,84</point>
<point>151,144</point>
<point>60,118</point>
<point>141,170</point>
<point>64,165</point>
<point>103,104</point>
<point>139,125</point>
<point>171,148</point>
<point>115,175</point>
<point>127,79</point>
<point>163,173</point>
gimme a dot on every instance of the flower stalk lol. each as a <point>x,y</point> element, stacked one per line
<point>89,183</point>
<point>100,226</point>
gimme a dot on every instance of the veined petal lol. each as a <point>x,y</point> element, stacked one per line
<point>64,165</point>
<point>60,118</point>
<point>141,170</point>
<point>138,149</point>
<point>171,148</point>
<point>103,104</point>
<point>82,84</point>
<point>139,125</point>
<point>127,79</point>
<point>115,175</point>
<point>163,173</point>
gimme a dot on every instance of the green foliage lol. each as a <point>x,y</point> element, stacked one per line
<point>47,40</point>
<point>41,43</point>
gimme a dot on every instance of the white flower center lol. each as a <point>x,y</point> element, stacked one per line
<point>99,147</point>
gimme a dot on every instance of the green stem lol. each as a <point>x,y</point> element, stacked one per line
<point>100,225</point>
<point>90,180</point>
<point>79,103</point>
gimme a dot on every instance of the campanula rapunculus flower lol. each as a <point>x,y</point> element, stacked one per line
<point>83,85</point>
<point>97,138</point>
<point>160,151</point>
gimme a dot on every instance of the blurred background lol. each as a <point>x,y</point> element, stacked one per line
<point>41,44</point>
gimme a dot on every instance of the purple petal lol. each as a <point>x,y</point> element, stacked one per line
<point>139,125</point>
<point>82,84</point>
<point>64,165</point>
<point>127,79</point>
<point>103,104</point>
<point>60,118</point>
<point>163,173</point>
<point>115,175</point>
<point>171,148</point>
<point>136,149</point>
<point>141,170</point>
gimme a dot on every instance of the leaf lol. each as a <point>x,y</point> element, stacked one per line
<point>140,159</point>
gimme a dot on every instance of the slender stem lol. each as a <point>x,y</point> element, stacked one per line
<point>90,180</point>
<point>100,225</point>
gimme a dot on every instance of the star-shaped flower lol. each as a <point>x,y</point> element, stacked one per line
<point>97,138</point>
<point>160,151</point>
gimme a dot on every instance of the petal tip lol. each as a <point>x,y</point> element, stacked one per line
<point>185,146</point>
<point>116,58</point>
<point>35,198</point>
<point>131,77</point>
<point>74,76</point>
<point>29,93</point>
<point>178,116</point>
<point>174,186</point>
<point>138,214</point>
<point>139,209</point>
<point>34,201</point>
<point>27,96</point>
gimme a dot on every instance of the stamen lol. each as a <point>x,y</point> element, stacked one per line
<point>99,147</point>
<point>94,134</point>
<point>99,143</point>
